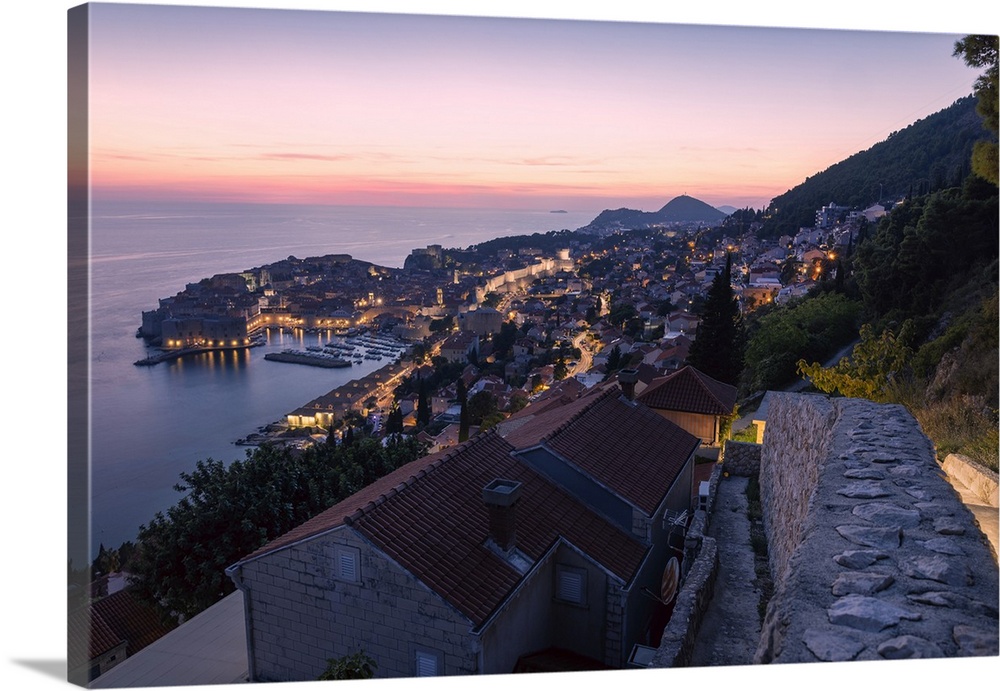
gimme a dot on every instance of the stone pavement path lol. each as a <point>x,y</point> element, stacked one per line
<point>731,628</point>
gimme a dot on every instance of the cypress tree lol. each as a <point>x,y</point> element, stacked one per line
<point>423,409</point>
<point>463,420</point>
<point>718,346</point>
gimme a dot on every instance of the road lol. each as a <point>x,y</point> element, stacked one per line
<point>586,357</point>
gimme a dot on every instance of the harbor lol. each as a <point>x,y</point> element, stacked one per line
<point>297,427</point>
<point>343,351</point>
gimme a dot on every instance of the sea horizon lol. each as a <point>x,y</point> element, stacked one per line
<point>463,225</point>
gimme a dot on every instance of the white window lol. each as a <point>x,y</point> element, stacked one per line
<point>427,664</point>
<point>571,584</point>
<point>347,564</point>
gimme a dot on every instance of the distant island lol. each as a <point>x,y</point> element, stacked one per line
<point>559,211</point>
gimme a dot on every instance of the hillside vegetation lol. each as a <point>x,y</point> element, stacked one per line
<point>931,154</point>
<point>927,281</point>
<point>924,280</point>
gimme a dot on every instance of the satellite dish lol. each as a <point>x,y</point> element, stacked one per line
<point>671,578</point>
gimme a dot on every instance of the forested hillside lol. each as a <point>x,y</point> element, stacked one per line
<point>931,154</point>
<point>927,279</point>
<point>927,283</point>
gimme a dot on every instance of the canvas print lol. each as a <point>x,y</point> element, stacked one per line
<point>417,345</point>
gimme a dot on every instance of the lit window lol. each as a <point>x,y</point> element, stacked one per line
<point>571,584</point>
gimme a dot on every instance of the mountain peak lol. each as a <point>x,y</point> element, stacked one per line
<point>687,209</point>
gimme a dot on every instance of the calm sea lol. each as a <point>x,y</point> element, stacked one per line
<point>149,424</point>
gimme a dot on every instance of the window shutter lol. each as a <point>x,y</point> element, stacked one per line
<point>427,665</point>
<point>347,566</point>
<point>570,586</point>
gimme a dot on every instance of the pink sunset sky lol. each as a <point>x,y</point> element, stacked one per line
<point>230,104</point>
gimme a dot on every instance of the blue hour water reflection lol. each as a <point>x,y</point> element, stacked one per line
<point>149,424</point>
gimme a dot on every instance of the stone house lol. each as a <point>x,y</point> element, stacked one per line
<point>467,561</point>
<point>692,400</point>
<point>460,346</point>
<point>483,321</point>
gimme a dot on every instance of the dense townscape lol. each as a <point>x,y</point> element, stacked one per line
<point>588,449</point>
<point>519,318</point>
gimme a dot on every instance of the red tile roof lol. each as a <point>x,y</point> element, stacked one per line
<point>430,518</point>
<point>105,624</point>
<point>334,516</point>
<point>437,528</point>
<point>690,391</point>
<point>89,637</point>
<point>539,419</point>
<point>136,622</point>
<point>623,445</point>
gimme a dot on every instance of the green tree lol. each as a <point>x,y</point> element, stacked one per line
<point>503,340</point>
<point>559,369</point>
<point>227,512</point>
<point>481,405</point>
<point>719,341</point>
<point>491,420</point>
<point>394,421</point>
<point>107,560</point>
<point>811,328</point>
<point>614,362</point>
<point>876,365</point>
<point>621,314</point>
<point>979,50</point>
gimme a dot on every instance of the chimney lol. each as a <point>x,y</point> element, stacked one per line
<point>501,498</point>
<point>626,380</point>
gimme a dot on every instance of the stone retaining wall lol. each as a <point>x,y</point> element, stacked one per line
<point>874,556</point>
<point>677,642</point>
<point>741,458</point>
<point>699,568</point>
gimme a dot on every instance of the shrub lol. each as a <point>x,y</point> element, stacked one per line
<point>356,666</point>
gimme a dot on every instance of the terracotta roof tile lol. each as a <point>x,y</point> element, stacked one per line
<point>691,391</point>
<point>435,524</point>
<point>138,623</point>
<point>334,516</point>
<point>626,446</point>
<point>530,428</point>
<point>89,636</point>
<point>446,509</point>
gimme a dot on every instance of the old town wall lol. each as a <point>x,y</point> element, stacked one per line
<point>873,554</point>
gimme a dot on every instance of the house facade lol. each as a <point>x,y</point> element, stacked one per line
<point>469,560</point>
<point>694,401</point>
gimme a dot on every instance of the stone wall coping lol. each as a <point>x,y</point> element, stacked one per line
<point>885,562</point>
<point>981,481</point>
